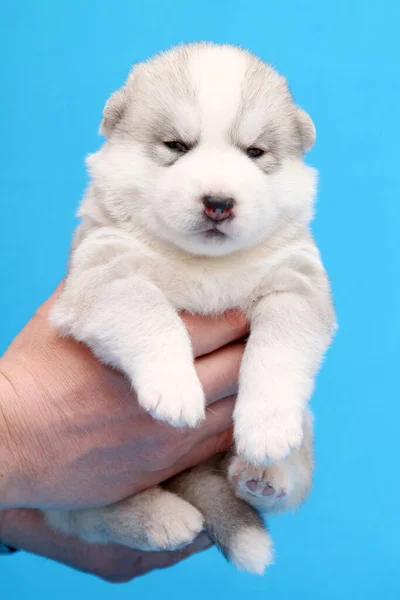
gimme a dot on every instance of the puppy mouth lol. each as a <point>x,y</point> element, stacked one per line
<point>213,229</point>
<point>213,233</point>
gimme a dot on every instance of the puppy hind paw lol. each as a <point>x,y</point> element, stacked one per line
<point>268,489</point>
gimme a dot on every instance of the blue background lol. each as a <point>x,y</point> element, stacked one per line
<point>59,63</point>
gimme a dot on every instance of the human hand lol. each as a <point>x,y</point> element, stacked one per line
<point>73,435</point>
<point>26,529</point>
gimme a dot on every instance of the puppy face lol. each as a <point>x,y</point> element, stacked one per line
<point>204,149</point>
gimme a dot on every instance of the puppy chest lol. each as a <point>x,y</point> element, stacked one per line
<point>206,292</point>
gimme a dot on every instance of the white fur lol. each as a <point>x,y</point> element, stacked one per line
<point>288,481</point>
<point>142,252</point>
<point>153,520</point>
<point>251,550</point>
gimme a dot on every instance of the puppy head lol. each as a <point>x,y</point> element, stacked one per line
<point>205,150</point>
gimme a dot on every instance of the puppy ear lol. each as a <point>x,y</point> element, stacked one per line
<point>113,112</point>
<point>306,129</point>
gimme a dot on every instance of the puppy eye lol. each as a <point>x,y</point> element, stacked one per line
<point>177,146</point>
<point>253,152</point>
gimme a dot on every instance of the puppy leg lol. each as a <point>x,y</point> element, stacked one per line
<point>234,526</point>
<point>152,520</point>
<point>128,322</point>
<point>280,486</point>
<point>286,344</point>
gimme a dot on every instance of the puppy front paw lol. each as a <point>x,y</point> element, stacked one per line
<point>173,395</point>
<point>267,437</point>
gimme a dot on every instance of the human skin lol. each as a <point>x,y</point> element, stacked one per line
<point>26,529</point>
<point>73,435</point>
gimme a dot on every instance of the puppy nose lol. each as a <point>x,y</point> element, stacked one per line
<point>218,208</point>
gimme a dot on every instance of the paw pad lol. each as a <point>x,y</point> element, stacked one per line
<point>261,488</point>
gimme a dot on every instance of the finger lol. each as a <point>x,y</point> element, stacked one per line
<point>162,560</point>
<point>204,450</point>
<point>45,307</point>
<point>212,436</point>
<point>219,418</point>
<point>219,372</point>
<point>210,333</point>
<point>196,453</point>
<point>199,453</point>
<point>215,435</point>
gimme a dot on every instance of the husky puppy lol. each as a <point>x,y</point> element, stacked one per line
<point>200,201</point>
